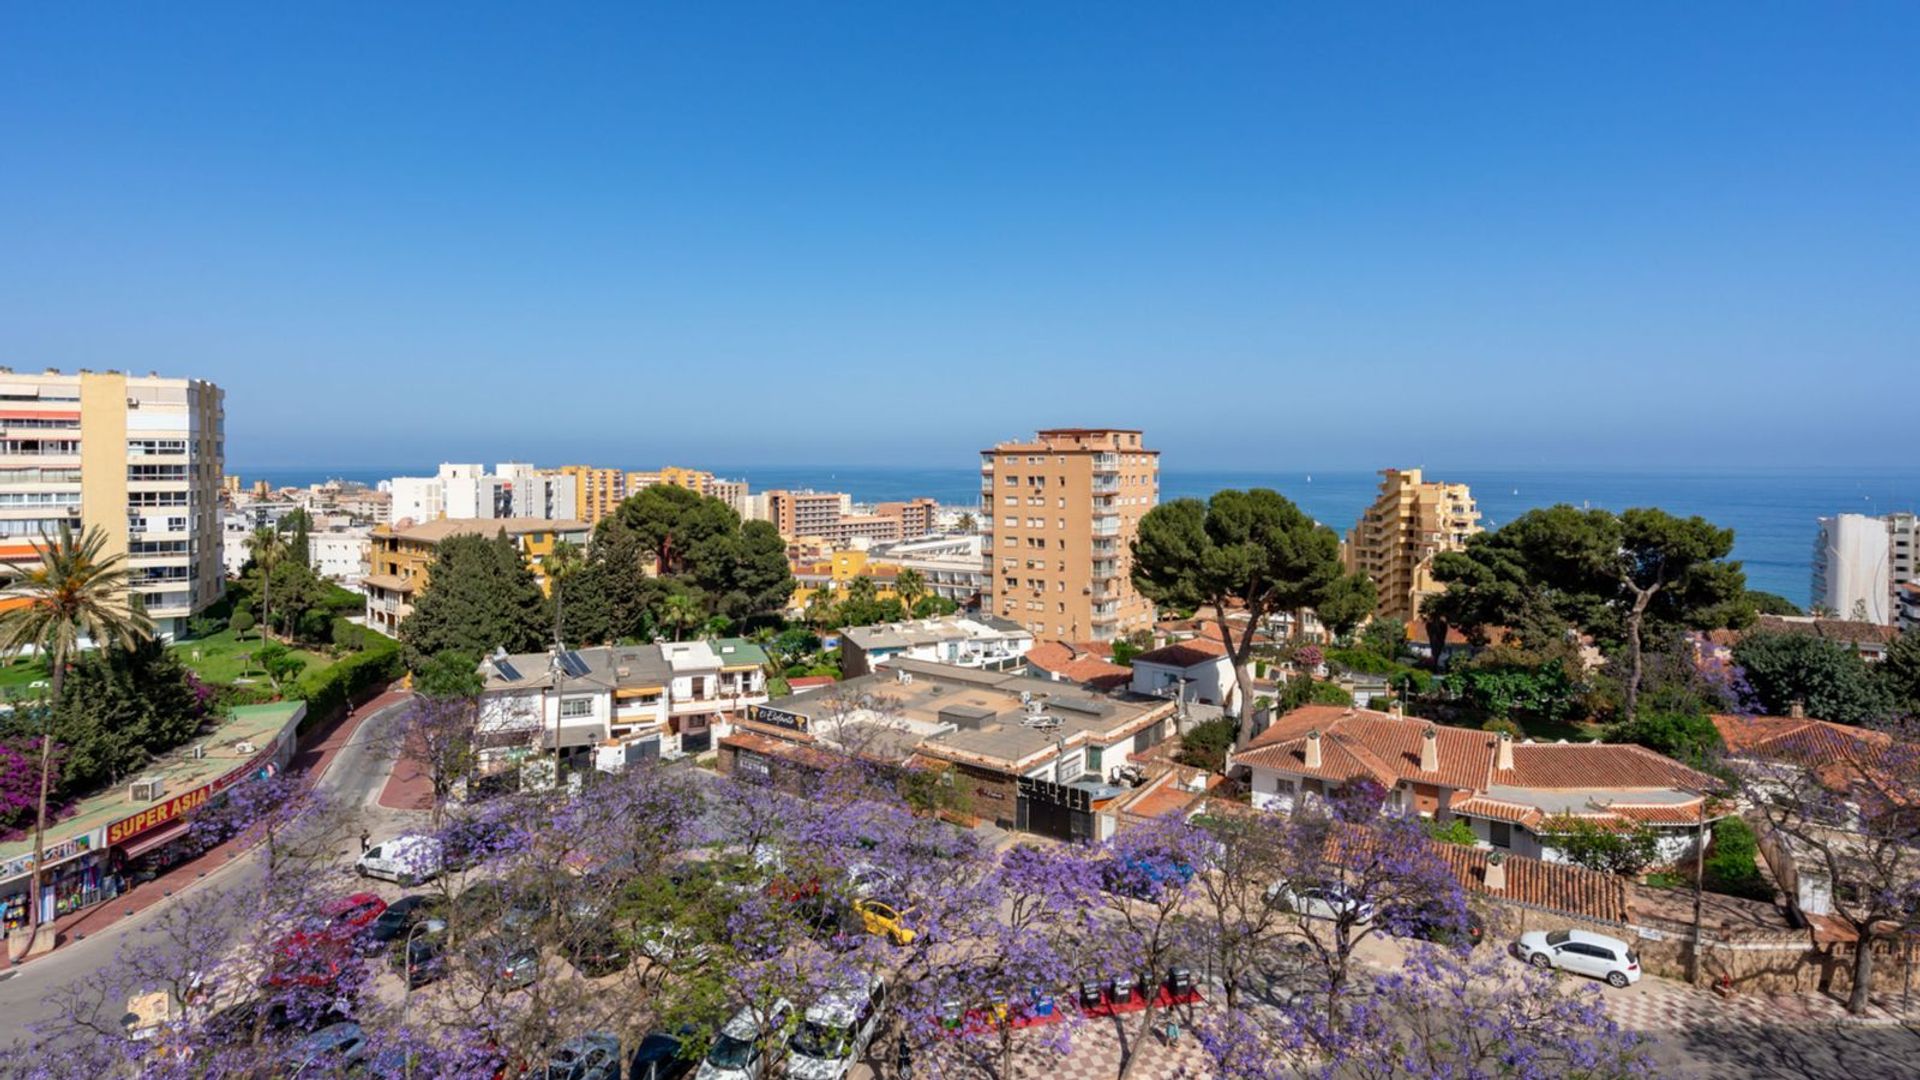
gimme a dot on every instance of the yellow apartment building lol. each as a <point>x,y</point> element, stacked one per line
<point>1396,538</point>
<point>400,560</point>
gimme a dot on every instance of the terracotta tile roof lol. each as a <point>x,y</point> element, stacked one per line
<point>1499,810</point>
<point>1841,756</point>
<point>1074,663</point>
<point>1185,654</point>
<point>1849,631</point>
<point>799,682</point>
<point>1554,886</point>
<point>1606,766</point>
<point>1417,634</point>
<point>1386,748</point>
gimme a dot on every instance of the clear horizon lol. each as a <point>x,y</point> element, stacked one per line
<point>1628,238</point>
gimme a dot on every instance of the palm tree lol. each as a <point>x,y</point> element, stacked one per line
<point>681,611</point>
<point>967,524</point>
<point>564,561</point>
<point>267,550</point>
<point>77,591</point>
<point>910,586</point>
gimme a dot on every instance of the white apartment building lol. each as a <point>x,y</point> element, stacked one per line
<point>1853,568</point>
<point>514,489</point>
<point>951,566</point>
<point>137,456</point>
<point>341,555</point>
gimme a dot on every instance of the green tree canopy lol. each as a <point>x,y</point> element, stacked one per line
<point>1827,677</point>
<point>1766,603</point>
<point>1349,600</point>
<point>1252,549</point>
<point>480,596</point>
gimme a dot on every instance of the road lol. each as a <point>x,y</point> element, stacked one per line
<point>353,777</point>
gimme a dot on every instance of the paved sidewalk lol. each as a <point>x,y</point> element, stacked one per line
<point>409,785</point>
<point>309,761</point>
<point>1664,1005</point>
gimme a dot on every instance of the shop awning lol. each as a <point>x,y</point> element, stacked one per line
<point>142,844</point>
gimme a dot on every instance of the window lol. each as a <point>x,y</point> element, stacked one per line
<point>576,708</point>
<point>1499,834</point>
<point>1093,760</point>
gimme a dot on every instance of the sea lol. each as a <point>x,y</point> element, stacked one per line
<point>1772,511</point>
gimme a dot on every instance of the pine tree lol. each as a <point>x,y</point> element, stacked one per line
<point>480,596</point>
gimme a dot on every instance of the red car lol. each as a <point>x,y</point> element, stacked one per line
<point>349,915</point>
<point>311,960</point>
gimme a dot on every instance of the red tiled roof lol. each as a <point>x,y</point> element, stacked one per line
<point>1417,634</point>
<point>809,681</point>
<point>1385,747</point>
<point>1499,810</point>
<point>1185,654</point>
<point>1840,756</point>
<point>1076,664</point>
<point>1557,886</point>
<point>1612,766</point>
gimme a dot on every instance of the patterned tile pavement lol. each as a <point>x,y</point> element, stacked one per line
<point>1095,1054</point>
<point>1661,1005</point>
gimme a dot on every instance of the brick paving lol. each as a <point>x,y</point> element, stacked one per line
<point>1093,1052</point>
<point>309,760</point>
<point>409,786</point>
<point>1664,1005</point>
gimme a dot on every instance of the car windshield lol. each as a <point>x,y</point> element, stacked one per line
<point>816,1040</point>
<point>1559,937</point>
<point>730,1053</point>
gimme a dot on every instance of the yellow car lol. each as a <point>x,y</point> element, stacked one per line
<point>884,919</point>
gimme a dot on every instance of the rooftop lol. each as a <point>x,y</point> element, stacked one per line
<point>988,718</point>
<point>902,635</point>
<point>1082,663</point>
<point>432,532</point>
<point>180,772</point>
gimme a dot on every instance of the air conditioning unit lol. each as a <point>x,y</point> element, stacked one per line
<point>197,751</point>
<point>147,789</point>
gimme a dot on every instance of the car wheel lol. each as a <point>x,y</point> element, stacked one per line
<point>1541,961</point>
<point>1617,980</point>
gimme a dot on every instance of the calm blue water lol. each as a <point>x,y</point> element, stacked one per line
<point>1771,511</point>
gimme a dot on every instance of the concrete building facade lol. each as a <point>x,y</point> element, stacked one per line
<point>401,558</point>
<point>1853,568</point>
<point>1058,515</point>
<point>138,456</point>
<point>1396,538</point>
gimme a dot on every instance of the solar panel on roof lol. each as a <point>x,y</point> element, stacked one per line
<point>507,671</point>
<point>572,664</point>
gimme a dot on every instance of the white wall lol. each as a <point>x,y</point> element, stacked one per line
<point>1212,681</point>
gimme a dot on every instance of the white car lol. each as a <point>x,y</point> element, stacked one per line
<point>407,860</point>
<point>835,1032</point>
<point>1319,902</point>
<point>1578,951</point>
<point>740,1051</point>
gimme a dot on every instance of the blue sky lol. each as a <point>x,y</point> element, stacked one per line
<point>1272,235</point>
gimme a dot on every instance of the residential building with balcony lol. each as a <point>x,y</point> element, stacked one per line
<point>1397,537</point>
<point>620,703</point>
<point>1853,568</point>
<point>1058,515</point>
<point>950,565</point>
<point>805,513</point>
<point>402,557</point>
<point>597,492</point>
<point>138,456</point>
<point>918,517</point>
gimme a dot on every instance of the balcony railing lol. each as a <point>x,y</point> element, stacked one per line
<point>1108,486</point>
<point>1107,525</point>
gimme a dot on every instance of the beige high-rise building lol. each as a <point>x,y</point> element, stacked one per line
<point>597,492</point>
<point>806,513</point>
<point>138,456</point>
<point>1397,537</point>
<point>1058,515</point>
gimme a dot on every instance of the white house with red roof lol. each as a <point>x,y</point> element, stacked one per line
<point>1196,669</point>
<point>1507,792</point>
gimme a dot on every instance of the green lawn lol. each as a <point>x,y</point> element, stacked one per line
<point>19,674</point>
<point>220,658</point>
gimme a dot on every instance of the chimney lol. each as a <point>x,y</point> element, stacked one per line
<point>1313,749</point>
<point>1797,710</point>
<point>1496,879</point>
<point>1397,710</point>
<point>1503,755</point>
<point>1429,750</point>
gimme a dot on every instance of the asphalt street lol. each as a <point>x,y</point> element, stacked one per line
<point>354,777</point>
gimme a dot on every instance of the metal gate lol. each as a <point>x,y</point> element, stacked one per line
<point>1056,810</point>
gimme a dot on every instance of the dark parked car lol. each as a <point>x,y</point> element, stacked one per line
<point>660,1056</point>
<point>586,1057</point>
<point>423,958</point>
<point>332,1049</point>
<point>595,952</point>
<point>401,916</point>
<point>509,963</point>
<point>1431,922</point>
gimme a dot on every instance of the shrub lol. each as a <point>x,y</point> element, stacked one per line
<point>1205,744</point>
<point>1608,849</point>
<point>1455,831</point>
<point>332,688</point>
<point>241,622</point>
<point>1731,861</point>
<point>777,687</point>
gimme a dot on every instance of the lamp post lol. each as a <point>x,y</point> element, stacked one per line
<point>432,926</point>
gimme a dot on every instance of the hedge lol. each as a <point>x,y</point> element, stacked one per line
<point>332,688</point>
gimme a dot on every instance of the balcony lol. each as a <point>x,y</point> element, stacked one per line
<point>1105,570</point>
<point>1106,525</point>
<point>1106,462</point>
<point>1110,485</point>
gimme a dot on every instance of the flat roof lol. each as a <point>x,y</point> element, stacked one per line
<point>986,717</point>
<point>441,528</point>
<point>257,725</point>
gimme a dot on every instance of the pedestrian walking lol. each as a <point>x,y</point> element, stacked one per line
<point>366,841</point>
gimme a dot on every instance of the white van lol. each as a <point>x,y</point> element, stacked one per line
<point>407,860</point>
<point>835,1032</point>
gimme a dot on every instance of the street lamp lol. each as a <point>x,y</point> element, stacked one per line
<point>431,926</point>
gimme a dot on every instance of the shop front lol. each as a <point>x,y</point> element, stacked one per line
<point>74,878</point>
<point>156,838</point>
